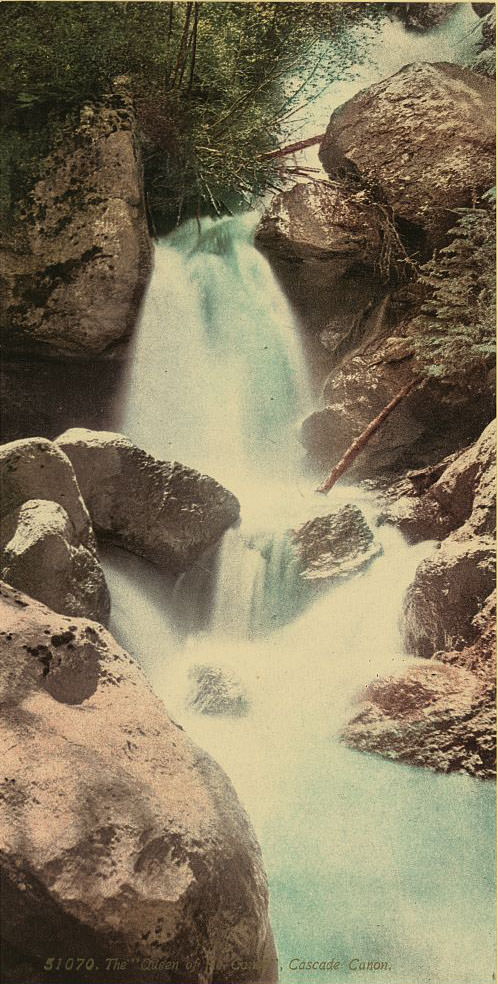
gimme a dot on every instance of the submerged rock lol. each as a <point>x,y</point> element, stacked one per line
<point>120,839</point>
<point>76,281</point>
<point>335,546</point>
<point>440,151</point>
<point>47,544</point>
<point>422,17</point>
<point>215,690</point>
<point>160,510</point>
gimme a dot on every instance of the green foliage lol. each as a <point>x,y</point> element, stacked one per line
<point>211,83</point>
<point>455,333</point>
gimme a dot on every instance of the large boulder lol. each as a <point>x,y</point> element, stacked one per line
<point>354,394</point>
<point>334,547</point>
<point>426,426</point>
<point>41,554</point>
<point>123,845</point>
<point>322,221</point>
<point>47,544</point>
<point>448,590</point>
<point>327,246</point>
<point>160,510</point>
<point>437,716</point>
<point>424,138</point>
<point>76,271</point>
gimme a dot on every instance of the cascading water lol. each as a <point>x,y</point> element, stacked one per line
<point>367,860</point>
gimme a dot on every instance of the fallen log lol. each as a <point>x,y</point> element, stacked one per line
<point>293,148</point>
<point>360,442</point>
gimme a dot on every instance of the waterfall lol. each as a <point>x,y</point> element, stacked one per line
<point>217,375</point>
<point>365,859</point>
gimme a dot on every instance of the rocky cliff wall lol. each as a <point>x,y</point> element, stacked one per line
<point>74,272</point>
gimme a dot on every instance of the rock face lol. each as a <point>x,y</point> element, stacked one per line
<point>160,510</point>
<point>443,716</point>
<point>327,246</point>
<point>439,154</point>
<point>47,544</point>
<point>466,490</point>
<point>354,394</point>
<point>422,429</point>
<point>76,282</point>
<point>448,591</point>
<point>120,839</point>
<point>485,60</point>
<point>451,585</point>
<point>436,716</point>
<point>323,222</point>
<point>335,546</point>
<point>429,503</point>
<point>215,690</point>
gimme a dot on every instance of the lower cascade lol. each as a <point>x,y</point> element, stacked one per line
<point>260,664</point>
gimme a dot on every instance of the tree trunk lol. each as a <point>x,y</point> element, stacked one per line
<point>183,44</point>
<point>292,148</point>
<point>194,47</point>
<point>357,446</point>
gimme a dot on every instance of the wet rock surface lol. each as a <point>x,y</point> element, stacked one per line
<point>440,151</point>
<point>120,839</point>
<point>437,716</point>
<point>160,510</point>
<point>334,547</point>
<point>74,276</point>
<point>443,716</point>
<point>421,17</point>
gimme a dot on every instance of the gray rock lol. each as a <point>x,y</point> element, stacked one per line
<point>119,838</point>
<point>336,546</point>
<point>160,510</point>
<point>448,590</point>
<point>321,221</point>
<point>75,276</point>
<point>440,151</point>
<point>41,554</point>
<point>47,544</point>
<point>35,468</point>
<point>215,690</point>
<point>458,492</point>
<point>437,716</point>
<point>466,490</point>
<point>422,17</point>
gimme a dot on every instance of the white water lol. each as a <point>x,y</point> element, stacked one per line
<point>365,858</point>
